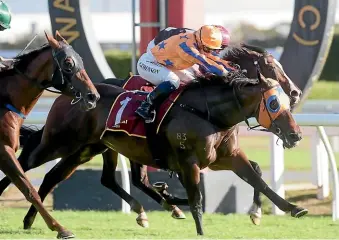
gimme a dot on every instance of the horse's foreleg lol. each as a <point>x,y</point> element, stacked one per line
<point>32,142</point>
<point>140,180</point>
<point>255,210</point>
<point>191,179</point>
<point>61,171</point>
<point>243,168</point>
<point>108,180</point>
<point>11,167</point>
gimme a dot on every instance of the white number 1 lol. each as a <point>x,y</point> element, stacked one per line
<point>121,110</point>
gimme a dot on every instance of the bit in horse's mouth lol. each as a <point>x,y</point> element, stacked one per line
<point>88,105</point>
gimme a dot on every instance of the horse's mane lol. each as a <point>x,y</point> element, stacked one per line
<point>235,81</point>
<point>232,53</point>
<point>21,61</point>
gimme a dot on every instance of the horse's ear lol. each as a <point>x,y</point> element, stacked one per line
<point>263,79</point>
<point>52,42</point>
<point>58,37</point>
<point>254,48</point>
<point>245,48</point>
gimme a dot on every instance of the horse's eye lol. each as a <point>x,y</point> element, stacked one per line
<point>274,105</point>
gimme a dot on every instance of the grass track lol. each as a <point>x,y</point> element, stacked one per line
<point>115,225</point>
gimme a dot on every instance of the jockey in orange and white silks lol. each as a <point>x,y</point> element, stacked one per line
<point>171,60</point>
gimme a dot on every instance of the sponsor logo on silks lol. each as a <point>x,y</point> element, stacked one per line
<point>118,125</point>
<point>148,68</point>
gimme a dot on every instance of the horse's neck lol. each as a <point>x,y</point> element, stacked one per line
<point>24,93</point>
<point>250,99</point>
<point>222,103</point>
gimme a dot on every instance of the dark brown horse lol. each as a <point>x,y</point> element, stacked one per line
<point>249,58</point>
<point>246,59</point>
<point>53,65</point>
<point>228,103</point>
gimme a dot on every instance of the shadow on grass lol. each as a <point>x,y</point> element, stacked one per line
<point>303,197</point>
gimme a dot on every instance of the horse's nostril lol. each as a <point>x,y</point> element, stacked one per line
<point>295,93</point>
<point>91,97</point>
<point>295,136</point>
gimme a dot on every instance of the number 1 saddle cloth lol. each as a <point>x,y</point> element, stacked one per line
<point>122,116</point>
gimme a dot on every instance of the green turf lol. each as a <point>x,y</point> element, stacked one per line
<point>91,224</point>
<point>324,90</point>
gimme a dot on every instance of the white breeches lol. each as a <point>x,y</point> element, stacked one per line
<point>155,73</point>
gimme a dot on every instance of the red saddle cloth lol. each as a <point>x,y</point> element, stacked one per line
<point>122,117</point>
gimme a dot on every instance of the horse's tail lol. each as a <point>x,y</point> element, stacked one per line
<point>30,138</point>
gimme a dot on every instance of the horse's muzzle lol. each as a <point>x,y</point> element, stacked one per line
<point>291,140</point>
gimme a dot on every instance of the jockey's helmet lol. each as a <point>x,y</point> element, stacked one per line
<point>226,36</point>
<point>213,37</point>
<point>5,16</point>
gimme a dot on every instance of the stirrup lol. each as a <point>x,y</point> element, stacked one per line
<point>139,92</point>
<point>153,112</point>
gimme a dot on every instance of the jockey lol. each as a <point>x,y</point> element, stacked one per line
<point>171,58</point>
<point>5,21</point>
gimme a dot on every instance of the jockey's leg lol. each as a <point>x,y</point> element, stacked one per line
<point>165,80</point>
<point>154,99</point>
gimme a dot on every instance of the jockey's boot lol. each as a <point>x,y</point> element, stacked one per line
<point>154,99</point>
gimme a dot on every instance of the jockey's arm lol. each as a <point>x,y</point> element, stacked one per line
<point>220,61</point>
<point>191,54</point>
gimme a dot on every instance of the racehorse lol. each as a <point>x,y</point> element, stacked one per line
<point>56,65</point>
<point>246,57</point>
<point>206,111</point>
<point>251,59</point>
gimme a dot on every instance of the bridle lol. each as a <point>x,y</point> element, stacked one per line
<point>59,74</point>
<point>61,79</point>
<point>60,58</point>
<point>258,127</point>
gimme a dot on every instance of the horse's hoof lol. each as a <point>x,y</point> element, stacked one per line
<point>178,214</point>
<point>65,235</point>
<point>142,220</point>
<point>143,223</point>
<point>256,220</point>
<point>298,212</point>
<point>255,214</point>
<point>28,223</point>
